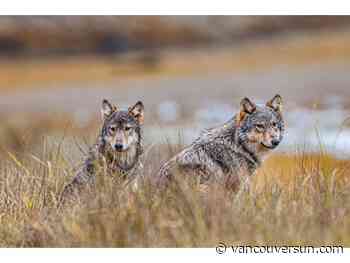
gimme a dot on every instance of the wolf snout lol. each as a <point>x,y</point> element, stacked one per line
<point>118,147</point>
<point>275,143</point>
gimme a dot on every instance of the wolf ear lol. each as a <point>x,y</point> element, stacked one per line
<point>275,103</point>
<point>137,111</point>
<point>247,107</point>
<point>107,109</point>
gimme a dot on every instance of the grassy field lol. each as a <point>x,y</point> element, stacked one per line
<point>294,199</point>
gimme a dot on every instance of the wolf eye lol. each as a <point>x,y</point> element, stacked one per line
<point>112,129</point>
<point>127,128</point>
<point>274,124</point>
<point>260,127</point>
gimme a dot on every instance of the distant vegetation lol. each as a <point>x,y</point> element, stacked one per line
<point>104,35</point>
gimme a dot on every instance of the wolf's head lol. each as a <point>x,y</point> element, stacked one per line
<point>121,128</point>
<point>261,127</point>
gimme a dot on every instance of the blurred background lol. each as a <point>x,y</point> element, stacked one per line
<point>190,72</point>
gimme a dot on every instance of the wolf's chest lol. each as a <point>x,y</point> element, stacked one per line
<point>119,173</point>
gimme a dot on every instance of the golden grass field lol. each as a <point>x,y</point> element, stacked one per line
<point>294,199</point>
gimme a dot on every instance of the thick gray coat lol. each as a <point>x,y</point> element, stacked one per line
<point>233,151</point>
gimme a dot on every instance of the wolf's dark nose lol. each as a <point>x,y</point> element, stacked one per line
<point>275,143</point>
<point>118,147</point>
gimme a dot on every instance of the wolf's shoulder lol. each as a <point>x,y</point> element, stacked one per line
<point>215,134</point>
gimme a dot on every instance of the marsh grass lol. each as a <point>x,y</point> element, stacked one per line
<point>293,199</point>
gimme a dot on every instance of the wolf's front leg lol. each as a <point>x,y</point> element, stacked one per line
<point>75,188</point>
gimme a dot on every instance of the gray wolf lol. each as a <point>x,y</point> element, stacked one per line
<point>117,151</point>
<point>233,151</point>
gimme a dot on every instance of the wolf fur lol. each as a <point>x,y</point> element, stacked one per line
<point>231,152</point>
<point>117,151</point>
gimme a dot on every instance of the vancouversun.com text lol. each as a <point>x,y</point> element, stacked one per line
<point>223,248</point>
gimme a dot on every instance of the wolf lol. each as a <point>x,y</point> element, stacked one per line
<point>117,151</point>
<point>233,151</point>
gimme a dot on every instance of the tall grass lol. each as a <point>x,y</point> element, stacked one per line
<point>293,199</point>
